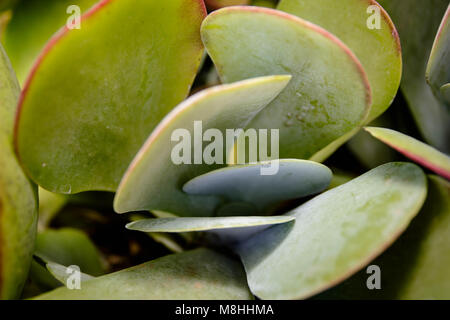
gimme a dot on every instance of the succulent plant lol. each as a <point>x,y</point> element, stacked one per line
<point>260,149</point>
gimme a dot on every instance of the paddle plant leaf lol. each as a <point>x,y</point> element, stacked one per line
<point>244,183</point>
<point>417,22</point>
<point>329,94</point>
<point>335,234</point>
<point>438,68</point>
<point>34,22</point>
<point>414,149</point>
<point>371,35</point>
<point>190,224</point>
<point>226,230</point>
<point>60,273</point>
<point>376,46</point>
<point>82,117</point>
<point>153,180</point>
<point>65,247</point>
<point>200,274</point>
<point>416,266</point>
<point>18,196</point>
<point>69,246</point>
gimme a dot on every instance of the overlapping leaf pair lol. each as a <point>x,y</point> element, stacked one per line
<point>100,104</point>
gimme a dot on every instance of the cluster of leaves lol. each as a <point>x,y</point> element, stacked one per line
<point>93,122</point>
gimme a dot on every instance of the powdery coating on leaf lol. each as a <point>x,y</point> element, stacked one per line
<point>312,26</point>
<point>244,183</point>
<point>416,266</point>
<point>234,106</point>
<point>335,234</point>
<point>203,224</point>
<point>245,42</point>
<point>379,50</point>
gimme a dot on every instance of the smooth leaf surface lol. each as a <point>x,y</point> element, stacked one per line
<point>416,266</point>
<point>190,224</point>
<point>60,273</point>
<point>32,24</point>
<point>65,247</point>
<point>18,196</point>
<point>167,240</point>
<point>329,94</point>
<point>154,181</point>
<point>245,183</point>
<point>223,230</point>
<point>200,274</point>
<point>57,271</point>
<point>69,246</point>
<point>417,22</point>
<point>377,48</point>
<point>414,149</point>
<point>335,234</point>
<point>438,68</point>
<point>82,117</point>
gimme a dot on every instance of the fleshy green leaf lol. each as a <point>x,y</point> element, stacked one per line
<point>226,230</point>
<point>189,224</point>
<point>200,274</point>
<point>18,197</point>
<point>329,94</point>
<point>414,149</point>
<point>96,93</point>
<point>66,247</point>
<point>417,22</point>
<point>69,247</point>
<point>438,68</point>
<point>60,273</point>
<point>245,183</point>
<point>34,22</point>
<point>378,49</point>
<point>335,234</point>
<point>153,181</point>
<point>49,205</point>
<point>416,266</point>
<point>167,240</point>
